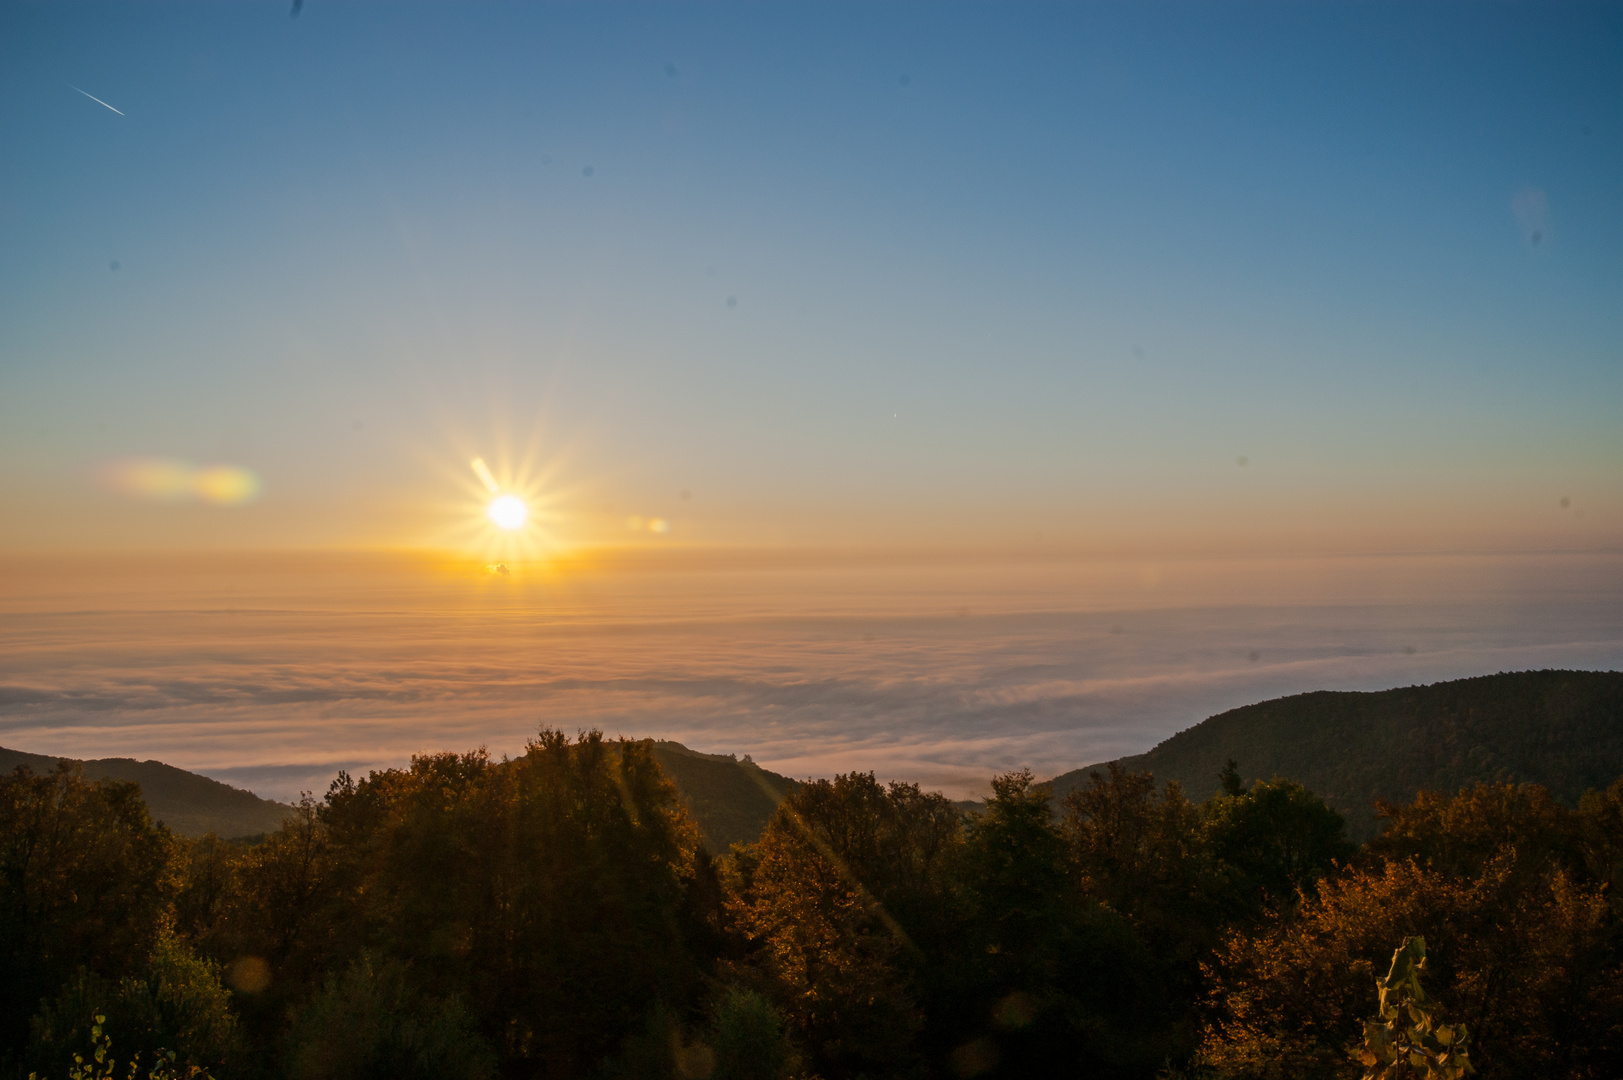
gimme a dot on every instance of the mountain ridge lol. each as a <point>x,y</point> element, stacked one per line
<point>189,803</point>
<point>1561,729</point>
<point>730,799</point>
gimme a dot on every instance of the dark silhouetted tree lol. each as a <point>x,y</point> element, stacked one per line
<point>1280,837</point>
<point>85,881</point>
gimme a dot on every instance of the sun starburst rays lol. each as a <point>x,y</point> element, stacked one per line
<point>510,512</point>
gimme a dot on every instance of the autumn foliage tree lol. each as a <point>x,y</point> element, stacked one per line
<point>1526,950</point>
<point>555,915</point>
<point>822,942</point>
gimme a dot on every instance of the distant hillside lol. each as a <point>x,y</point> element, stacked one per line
<point>1562,729</point>
<point>188,803</point>
<point>731,800</point>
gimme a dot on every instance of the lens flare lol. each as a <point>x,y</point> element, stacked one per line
<point>482,471</point>
<point>167,480</point>
<point>225,485</point>
<point>508,512</point>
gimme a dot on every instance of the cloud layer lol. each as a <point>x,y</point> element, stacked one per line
<point>942,674</point>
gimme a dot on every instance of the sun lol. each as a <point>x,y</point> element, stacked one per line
<point>506,516</point>
<point>508,512</point>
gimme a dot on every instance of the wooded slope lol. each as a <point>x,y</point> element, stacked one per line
<point>731,801</point>
<point>1561,729</point>
<point>190,804</point>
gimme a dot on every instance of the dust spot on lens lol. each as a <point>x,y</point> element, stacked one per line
<point>588,171</point>
<point>732,301</point>
<point>1242,461</point>
<point>1138,352</point>
<point>247,974</point>
<point>686,495</point>
<point>907,80</point>
<point>1409,650</point>
<point>974,1058</point>
<point>1565,502</point>
<point>1014,1012</point>
<point>1253,656</point>
<point>694,1061</point>
<point>670,70</point>
<point>1532,211</point>
<point>115,266</point>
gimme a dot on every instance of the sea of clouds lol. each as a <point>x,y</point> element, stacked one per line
<point>275,674</point>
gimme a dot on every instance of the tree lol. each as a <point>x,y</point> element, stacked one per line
<point>1143,852</point>
<point>269,914</point>
<point>175,1009</point>
<point>369,1023</point>
<point>549,893</point>
<point>208,868</point>
<point>822,943</point>
<point>85,880</point>
<point>1279,837</point>
<point>1600,833</point>
<point>1463,832</point>
<point>1044,980</point>
<point>1531,965</point>
<point>749,1038</point>
<point>1229,778</point>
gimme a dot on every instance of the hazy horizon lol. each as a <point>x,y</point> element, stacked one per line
<point>275,674</point>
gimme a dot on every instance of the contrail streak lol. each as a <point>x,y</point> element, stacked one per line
<point>94,98</point>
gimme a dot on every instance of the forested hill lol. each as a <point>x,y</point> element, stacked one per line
<point>730,800</point>
<point>1561,729</point>
<point>190,804</point>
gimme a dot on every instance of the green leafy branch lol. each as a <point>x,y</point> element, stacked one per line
<point>1407,1039</point>
<point>104,1067</point>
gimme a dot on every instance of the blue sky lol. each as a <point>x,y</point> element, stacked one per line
<point>993,275</point>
